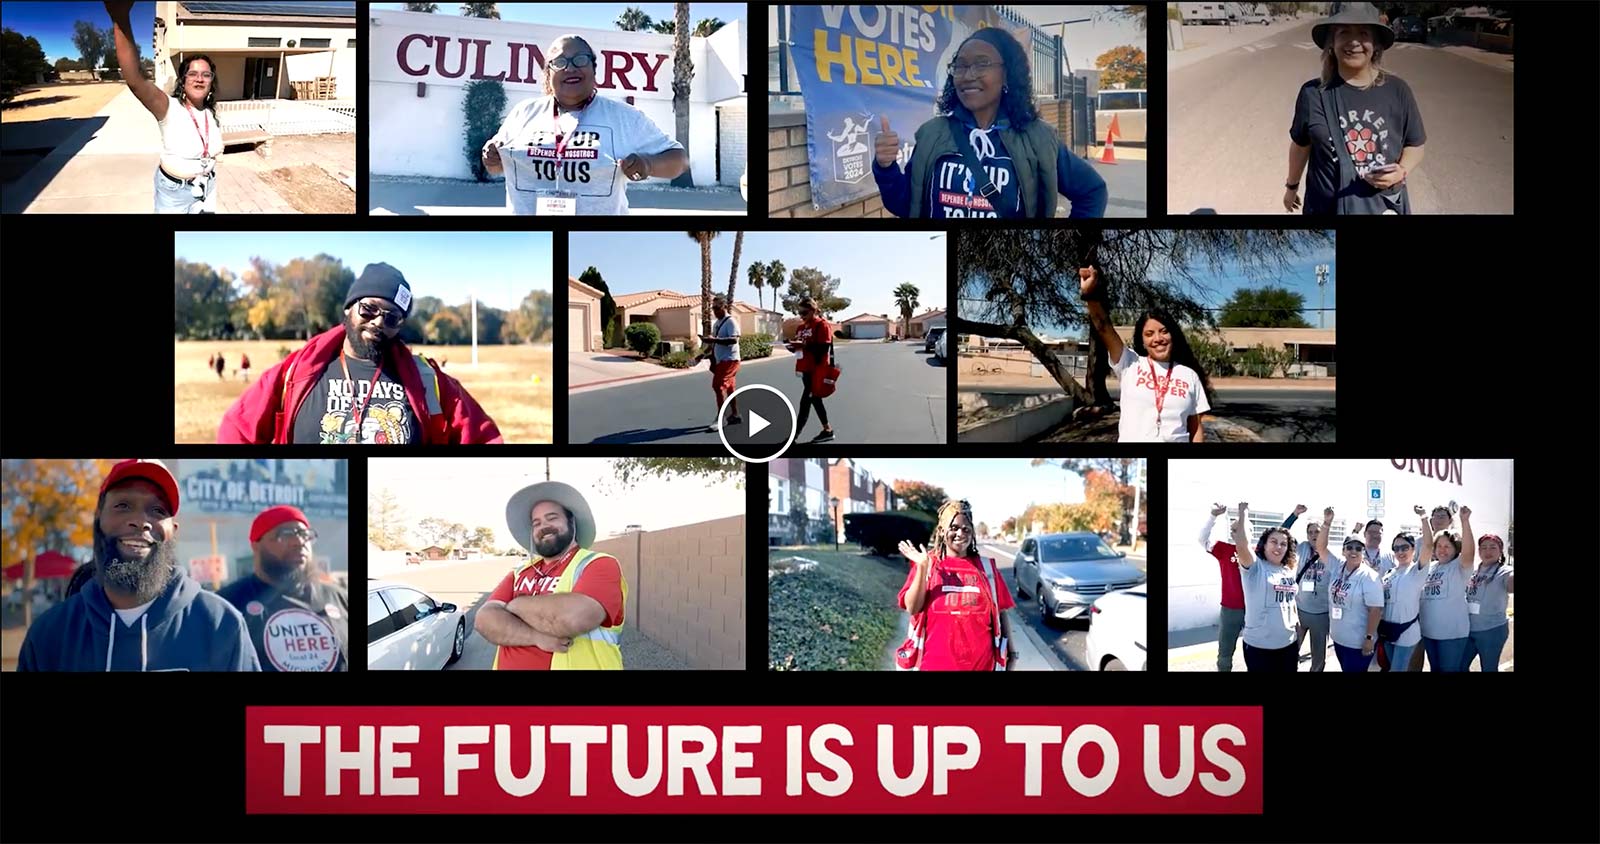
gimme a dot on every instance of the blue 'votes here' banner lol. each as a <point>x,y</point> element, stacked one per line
<point>856,65</point>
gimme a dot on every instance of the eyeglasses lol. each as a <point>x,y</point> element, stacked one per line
<point>960,69</point>
<point>1401,547</point>
<point>283,534</point>
<point>580,60</point>
<point>390,318</point>
<point>198,74</point>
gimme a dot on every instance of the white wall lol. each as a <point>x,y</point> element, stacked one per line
<point>724,76</point>
<point>1278,485</point>
<point>423,136</point>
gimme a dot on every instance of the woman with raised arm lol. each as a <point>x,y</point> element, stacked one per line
<point>1355,602</point>
<point>1445,628</point>
<point>957,600</point>
<point>1164,389</point>
<point>191,137</point>
<point>1398,634</point>
<point>1267,577</point>
<point>1488,596</point>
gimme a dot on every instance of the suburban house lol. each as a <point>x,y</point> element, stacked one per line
<point>924,321</point>
<point>282,68</point>
<point>791,481</point>
<point>677,315</point>
<point>1313,347</point>
<point>584,330</point>
<point>883,497</point>
<point>866,327</point>
<point>434,552</point>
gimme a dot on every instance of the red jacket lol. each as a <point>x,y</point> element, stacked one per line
<point>266,411</point>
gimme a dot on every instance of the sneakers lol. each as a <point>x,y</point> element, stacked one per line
<point>824,437</point>
<point>733,420</point>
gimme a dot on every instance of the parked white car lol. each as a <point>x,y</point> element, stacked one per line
<point>939,347</point>
<point>1116,640</point>
<point>407,630</point>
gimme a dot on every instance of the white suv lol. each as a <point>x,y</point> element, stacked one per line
<point>407,630</point>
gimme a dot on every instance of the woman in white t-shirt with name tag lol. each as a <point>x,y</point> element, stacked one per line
<point>1164,390</point>
<point>572,152</point>
<point>1355,601</point>
<point>191,137</point>
<point>1445,615</point>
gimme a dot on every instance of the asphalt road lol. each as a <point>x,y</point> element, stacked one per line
<point>888,393</point>
<point>1126,183</point>
<point>1067,640</point>
<point>1228,127</point>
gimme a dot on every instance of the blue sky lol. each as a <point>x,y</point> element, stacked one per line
<point>503,267</point>
<point>1085,41</point>
<point>1300,278</point>
<point>51,23</point>
<point>870,265</point>
<point>593,15</point>
<point>996,488</point>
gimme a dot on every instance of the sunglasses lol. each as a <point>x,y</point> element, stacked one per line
<point>581,60</point>
<point>391,319</point>
<point>1401,547</point>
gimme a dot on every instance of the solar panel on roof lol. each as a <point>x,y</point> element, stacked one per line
<point>317,10</point>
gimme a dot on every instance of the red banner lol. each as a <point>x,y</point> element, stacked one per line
<point>753,760</point>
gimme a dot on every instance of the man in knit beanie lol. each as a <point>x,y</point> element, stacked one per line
<point>358,383</point>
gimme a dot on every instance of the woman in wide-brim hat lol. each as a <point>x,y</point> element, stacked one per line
<point>1357,125</point>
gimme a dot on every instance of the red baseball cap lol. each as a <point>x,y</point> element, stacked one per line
<point>272,517</point>
<point>153,471</point>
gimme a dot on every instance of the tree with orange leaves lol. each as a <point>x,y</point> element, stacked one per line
<point>49,506</point>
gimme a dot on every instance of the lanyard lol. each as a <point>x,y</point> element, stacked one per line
<point>1343,583</point>
<point>561,139</point>
<point>371,388</point>
<point>205,138</point>
<point>1161,388</point>
<point>1484,576</point>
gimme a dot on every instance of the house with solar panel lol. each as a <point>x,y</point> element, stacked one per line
<point>283,68</point>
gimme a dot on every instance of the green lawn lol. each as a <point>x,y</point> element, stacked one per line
<point>839,616</point>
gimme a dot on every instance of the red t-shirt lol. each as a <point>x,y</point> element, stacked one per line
<point>815,333</point>
<point>1232,591</point>
<point>961,618</point>
<point>601,580</point>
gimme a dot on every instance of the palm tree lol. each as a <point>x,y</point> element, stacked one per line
<point>481,10</point>
<point>706,26</point>
<point>905,298</point>
<point>429,8</point>
<point>682,74</point>
<point>775,278</point>
<point>633,19</point>
<point>758,278</point>
<point>704,239</point>
<point>665,27</point>
<point>733,275</point>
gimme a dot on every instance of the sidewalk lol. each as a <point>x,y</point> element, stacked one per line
<point>968,381</point>
<point>108,167</point>
<point>1204,42</point>
<point>634,375</point>
<point>1203,655</point>
<point>417,196</point>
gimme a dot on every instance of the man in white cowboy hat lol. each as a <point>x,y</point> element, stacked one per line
<point>563,608</point>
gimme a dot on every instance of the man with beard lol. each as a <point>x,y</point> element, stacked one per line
<point>298,619</point>
<point>563,608</point>
<point>359,383</point>
<point>140,612</point>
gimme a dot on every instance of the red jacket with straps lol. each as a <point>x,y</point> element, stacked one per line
<point>266,411</point>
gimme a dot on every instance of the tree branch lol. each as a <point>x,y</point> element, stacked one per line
<point>1034,346</point>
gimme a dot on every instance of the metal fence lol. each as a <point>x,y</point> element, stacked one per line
<point>289,117</point>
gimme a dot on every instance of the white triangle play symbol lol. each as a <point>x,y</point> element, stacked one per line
<point>757,424</point>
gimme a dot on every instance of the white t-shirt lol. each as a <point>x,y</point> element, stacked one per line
<point>725,327</point>
<point>183,152</point>
<point>1184,398</point>
<point>1402,600</point>
<point>574,154</point>
<point>130,616</point>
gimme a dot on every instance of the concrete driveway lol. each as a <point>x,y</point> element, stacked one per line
<point>587,369</point>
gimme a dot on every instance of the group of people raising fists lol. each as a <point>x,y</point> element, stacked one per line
<point>1437,588</point>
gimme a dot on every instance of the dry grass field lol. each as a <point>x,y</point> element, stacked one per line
<point>504,383</point>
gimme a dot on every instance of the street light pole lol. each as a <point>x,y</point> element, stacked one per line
<point>835,503</point>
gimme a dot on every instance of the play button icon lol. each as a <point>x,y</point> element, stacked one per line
<point>766,426</point>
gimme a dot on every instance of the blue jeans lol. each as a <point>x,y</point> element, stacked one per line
<point>1445,655</point>
<point>1487,645</point>
<point>1351,660</point>
<point>1399,655</point>
<point>178,197</point>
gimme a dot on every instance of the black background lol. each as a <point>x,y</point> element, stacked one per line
<point>1490,319</point>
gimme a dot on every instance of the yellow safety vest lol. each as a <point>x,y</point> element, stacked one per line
<point>600,648</point>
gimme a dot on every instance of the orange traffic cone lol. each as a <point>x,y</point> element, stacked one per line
<point>1108,156</point>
